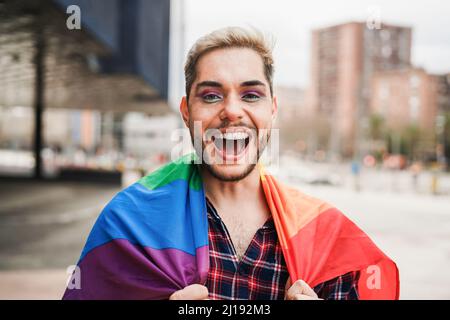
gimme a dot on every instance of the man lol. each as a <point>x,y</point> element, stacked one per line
<point>229,87</point>
<point>253,248</point>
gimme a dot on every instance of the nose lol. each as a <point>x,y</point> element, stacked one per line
<point>232,109</point>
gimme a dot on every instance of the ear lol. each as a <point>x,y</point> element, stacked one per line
<point>184,110</point>
<point>274,108</point>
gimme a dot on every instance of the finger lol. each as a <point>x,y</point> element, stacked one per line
<point>300,287</point>
<point>192,292</point>
<point>305,297</point>
<point>308,290</point>
<point>288,285</point>
<point>299,296</point>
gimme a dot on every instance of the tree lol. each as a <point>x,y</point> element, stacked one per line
<point>376,127</point>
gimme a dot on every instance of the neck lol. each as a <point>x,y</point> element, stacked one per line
<point>242,191</point>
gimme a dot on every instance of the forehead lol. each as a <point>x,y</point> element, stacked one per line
<point>230,65</point>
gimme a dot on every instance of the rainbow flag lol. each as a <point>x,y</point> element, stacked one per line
<point>152,239</point>
<point>320,243</point>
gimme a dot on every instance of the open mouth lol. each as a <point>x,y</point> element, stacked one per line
<point>232,145</point>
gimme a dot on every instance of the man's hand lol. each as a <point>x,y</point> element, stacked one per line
<point>300,290</point>
<point>192,292</point>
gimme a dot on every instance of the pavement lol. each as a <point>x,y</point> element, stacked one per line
<point>48,284</point>
<point>43,227</point>
<point>412,229</point>
<point>408,220</point>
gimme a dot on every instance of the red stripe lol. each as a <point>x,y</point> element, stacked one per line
<point>332,245</point>
<point>326,244</point>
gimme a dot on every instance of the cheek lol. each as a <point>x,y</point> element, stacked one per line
<point>262,118</point>
<point>203,114</point>
<point>200,121</point>
<point>209,117</point>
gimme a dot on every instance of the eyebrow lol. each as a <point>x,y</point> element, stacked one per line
<point>209,83</point>
<point>252,83</point>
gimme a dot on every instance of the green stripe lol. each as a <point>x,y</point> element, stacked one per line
<point>182,168</point>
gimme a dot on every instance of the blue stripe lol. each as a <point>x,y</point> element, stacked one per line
<point>172,216</point>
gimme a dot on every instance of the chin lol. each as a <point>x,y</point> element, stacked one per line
<point>230,172</point>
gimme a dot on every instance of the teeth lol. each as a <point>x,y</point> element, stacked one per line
<point>235,135</point>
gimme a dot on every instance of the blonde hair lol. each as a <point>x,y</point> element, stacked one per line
<point>230,37</point>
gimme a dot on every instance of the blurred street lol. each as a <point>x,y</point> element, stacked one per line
<point>412,229</point>
<point>43,227</point>
<point>404,218</point>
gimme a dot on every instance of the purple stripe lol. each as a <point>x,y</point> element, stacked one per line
<point>121,270</point>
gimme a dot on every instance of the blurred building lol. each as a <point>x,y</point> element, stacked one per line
<point>343,60</point>
<point>291,103</point>
<point>443,119</point>
<point>62,127</point>
<point>406,97</point>
<point>412,99</point>
<point>146,136</point>
<point>117,61</point>
<point>443,92</point>
<point>292,118</point>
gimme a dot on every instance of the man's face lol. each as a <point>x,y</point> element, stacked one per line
<point>232,109</point>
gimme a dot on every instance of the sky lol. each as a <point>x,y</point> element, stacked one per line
<point>291,22</point>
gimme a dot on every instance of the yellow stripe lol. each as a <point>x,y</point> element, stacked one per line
<point>262,171</point>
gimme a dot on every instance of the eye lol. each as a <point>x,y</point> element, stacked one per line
<point>211,97</point>
<point>251,97</point>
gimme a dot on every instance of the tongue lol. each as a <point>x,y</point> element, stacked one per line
<point>233,147</point>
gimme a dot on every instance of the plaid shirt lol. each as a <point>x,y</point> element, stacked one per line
<point>261,274</point>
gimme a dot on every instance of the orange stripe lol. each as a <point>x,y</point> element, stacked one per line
<point>320,243</point>
<point>294,206</point>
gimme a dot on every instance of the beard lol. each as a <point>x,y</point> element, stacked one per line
<point>231,172</point>
<point>220,175</point>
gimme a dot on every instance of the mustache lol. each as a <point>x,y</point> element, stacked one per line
<point>228,124</point>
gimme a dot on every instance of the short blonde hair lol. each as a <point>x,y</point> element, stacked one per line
<point>230,37</point>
